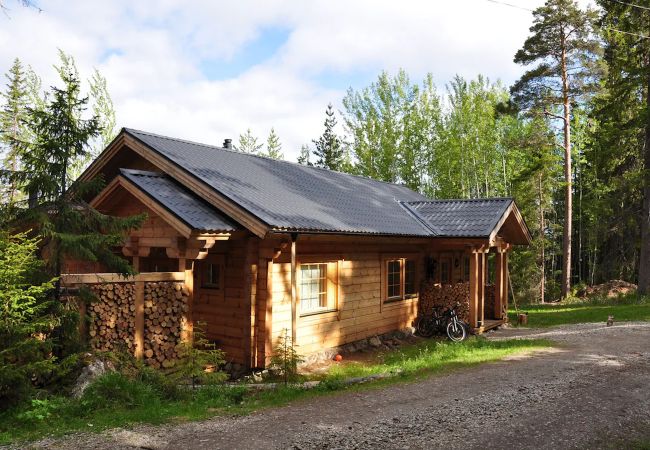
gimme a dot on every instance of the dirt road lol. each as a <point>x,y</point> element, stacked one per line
<point>593,391</point>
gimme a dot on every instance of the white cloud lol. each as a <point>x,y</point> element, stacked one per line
<point>152,52</point>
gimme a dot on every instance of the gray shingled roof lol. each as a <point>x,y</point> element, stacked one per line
<point>289,196</point>
<point>196,213</point>
<point>461,218</point>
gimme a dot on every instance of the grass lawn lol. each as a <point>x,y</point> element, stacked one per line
<point>116,401</point>
<point>595,310</point>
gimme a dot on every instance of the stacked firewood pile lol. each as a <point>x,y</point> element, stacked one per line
<point>490,302</point>
<point>112,317</point>
<point>164,305</point>
<point>446,295</point>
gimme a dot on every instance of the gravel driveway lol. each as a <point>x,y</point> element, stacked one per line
<point>592,391</point>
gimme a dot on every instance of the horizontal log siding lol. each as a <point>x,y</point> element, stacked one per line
<point>360,311</point>
<point>225,312</point>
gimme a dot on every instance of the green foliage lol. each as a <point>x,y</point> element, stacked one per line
<point>273,146</point>
<point>27,320</point>
<point>285,358</point>
<point>248,143</point>
<point>199,361</point>
<point>305,155</point>
<point>329,151</point>
<point>116,400</point>
<point>393,126</point>
<point>594,310</point>
<point>59,137</point>
<point>12,128</point>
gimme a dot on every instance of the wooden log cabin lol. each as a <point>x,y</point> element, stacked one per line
<point>254,246</point>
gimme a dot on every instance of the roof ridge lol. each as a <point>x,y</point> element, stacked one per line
<point>465,200</point>
<point>133,130</point>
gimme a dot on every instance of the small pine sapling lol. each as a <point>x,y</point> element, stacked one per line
<point>199,360</point>
<point>285,357</point>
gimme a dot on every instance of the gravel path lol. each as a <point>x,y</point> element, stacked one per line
<point>592,391</point>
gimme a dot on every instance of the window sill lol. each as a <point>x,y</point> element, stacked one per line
<point>397,300</point>
<point>319,311</point>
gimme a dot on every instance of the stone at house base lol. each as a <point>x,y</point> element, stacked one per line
<point>93,370</point>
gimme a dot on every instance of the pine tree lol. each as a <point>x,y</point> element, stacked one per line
<point>305,155</point>
<point>12,129</point>
<point>248,143</point>
<point>329,147</point>
<point>273,146</point>
<point>565,50</point>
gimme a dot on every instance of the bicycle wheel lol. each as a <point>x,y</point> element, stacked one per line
<point>456,332</point>
<point>425,327</point>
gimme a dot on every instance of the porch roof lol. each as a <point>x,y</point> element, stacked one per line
<point>186,206</point>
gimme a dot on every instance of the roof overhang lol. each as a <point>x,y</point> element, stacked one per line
<point>511,227</point>
<point>180,174</point>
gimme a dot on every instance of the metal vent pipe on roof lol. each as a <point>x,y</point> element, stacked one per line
<point>227,143</point>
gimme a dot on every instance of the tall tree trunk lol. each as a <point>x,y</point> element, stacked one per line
<point>644,259</point>
<point>568,199</point>
<point>541,237</point>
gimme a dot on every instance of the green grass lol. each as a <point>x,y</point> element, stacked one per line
<point>117,401</point>
<point>586,311</point>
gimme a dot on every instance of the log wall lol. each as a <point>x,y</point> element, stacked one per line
<point>361,311</point>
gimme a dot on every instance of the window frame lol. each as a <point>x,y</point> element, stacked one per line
<point>386,260</point>
<point>331,288</point>
<point>212,260</point>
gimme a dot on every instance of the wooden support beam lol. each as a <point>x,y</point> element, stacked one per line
<point>187,333</point>
<point>481,286</point>
<point>268,319</point>
<point>294,318</point>
<point>473,289</point>
<point>499,284</point>
<point>139,319</point>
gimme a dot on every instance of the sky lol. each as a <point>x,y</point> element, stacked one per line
<point>208,70</point>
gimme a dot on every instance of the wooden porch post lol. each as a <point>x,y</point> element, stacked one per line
<point>139,319</point>
<point>481,286</point>
<point>188,330</point>
<point>473,288</point>
<point>499,284</point>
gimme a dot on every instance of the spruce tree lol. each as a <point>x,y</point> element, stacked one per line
<point>273,146</point>
<point>621,155</point>
<point>68,227</point>
<point>329,147</point>
<point>12,128</point>
<point>248,143</point>
<point>566,52</point>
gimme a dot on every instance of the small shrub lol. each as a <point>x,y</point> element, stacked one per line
<point>199,361</point>
<point>285,357</point>
<point>41,409</point>
<point>115,390</point>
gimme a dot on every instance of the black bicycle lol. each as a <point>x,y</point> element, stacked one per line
<point>443,321</point>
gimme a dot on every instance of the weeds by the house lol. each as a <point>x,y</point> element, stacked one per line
<point>147,397</point>
<point>594,309</point>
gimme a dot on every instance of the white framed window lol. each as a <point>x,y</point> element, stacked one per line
<point>400,278</point>
<point>318,287</point>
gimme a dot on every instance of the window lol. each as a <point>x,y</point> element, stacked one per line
<point>213,272</point>
<point>409,277</point>
<point>317,287</point>
<point>400,278</point>
<point>466,268</point>
<point>394,283</point>
<point>445,271</point>
<point>313,287</point>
